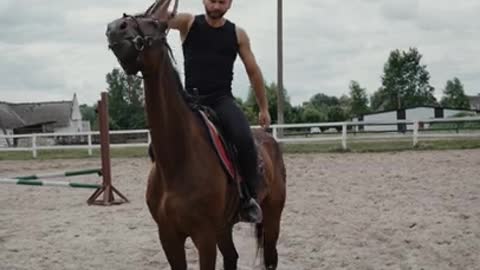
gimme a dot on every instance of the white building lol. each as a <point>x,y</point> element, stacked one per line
<point>474,102</point>
<point>41,117</point>
<point>408,114</point>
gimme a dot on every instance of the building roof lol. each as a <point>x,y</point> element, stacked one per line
<point>15,115</point>
<point>8,118</point>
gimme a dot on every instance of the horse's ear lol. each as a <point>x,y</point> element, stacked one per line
<point>159,9</point>
<point>149,10</point>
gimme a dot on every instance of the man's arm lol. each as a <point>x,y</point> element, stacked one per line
<point>181,22</point>
<point>254,74</point>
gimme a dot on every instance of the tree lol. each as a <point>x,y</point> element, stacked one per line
<point>454,95</point>
<point>89,114</point>
<point>378,100</point>
<point>311,114</point>
<point>126,101</point>
<point>405,82</point>
<point>271,92</point>
<point>330,108</point>
<point>294,115</point>
<point>344,105</point>
<point>336,114</point>
<point>358,99</point>
<point>321,100</point>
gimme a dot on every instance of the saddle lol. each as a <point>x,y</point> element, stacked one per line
<point>225,149</point>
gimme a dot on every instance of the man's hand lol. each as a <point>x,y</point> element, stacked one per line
<point>264,119</point>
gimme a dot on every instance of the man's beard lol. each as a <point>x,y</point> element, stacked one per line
<point>215,14</point>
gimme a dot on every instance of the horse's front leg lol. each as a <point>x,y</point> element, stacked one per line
<point>205,241</point>
<point>227,248</point>
<point>173,245</point>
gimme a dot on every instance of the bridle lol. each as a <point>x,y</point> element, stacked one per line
<point>141,41</point>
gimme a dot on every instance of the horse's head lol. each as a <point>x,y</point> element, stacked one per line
<point>129,37</point>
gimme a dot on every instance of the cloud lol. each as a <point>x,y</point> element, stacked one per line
<point>24,67</point>
<point>51,49</point>
<point>400,10</point>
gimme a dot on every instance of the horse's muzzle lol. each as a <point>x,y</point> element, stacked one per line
<point>126,55</point>
<point>123,46</point>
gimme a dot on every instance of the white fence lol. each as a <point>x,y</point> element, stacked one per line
<point>342,133</point>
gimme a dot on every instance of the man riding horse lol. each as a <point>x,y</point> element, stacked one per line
<point>211,44</point>
<point>189,193</point>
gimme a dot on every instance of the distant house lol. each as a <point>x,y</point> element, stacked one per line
<point>474,102</point>
<point>410,114</point>
<point>41,117</point>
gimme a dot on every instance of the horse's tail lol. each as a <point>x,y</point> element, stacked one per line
<point>259,235</point>
<point>150,153</point>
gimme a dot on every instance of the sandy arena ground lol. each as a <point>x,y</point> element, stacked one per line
<point>407,210</point>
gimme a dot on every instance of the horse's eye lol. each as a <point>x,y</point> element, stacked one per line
<point>155,23</point>
<point>123,25</point>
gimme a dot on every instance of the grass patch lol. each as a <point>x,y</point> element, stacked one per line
<point>353,146</point>
<point>449,144</point>
<point>312,148</point>
<point>128,152</point>
<point>381,146</point>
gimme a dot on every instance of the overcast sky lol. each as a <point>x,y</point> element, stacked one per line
<point>51,48</point>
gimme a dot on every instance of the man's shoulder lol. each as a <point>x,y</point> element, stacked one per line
<point>233,23</point>
<point>238,28</point>
<point>241,34</point>
<point>198,16</point>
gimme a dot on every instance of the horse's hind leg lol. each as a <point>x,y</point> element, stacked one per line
<point>271,231</point>
<point>174,246</point>
<point>227,248</point>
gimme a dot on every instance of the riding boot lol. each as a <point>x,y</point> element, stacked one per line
<point>251,211</point>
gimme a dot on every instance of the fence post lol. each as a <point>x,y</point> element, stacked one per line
<point>149,136</point>
<point>275,132</point>
<point>415,132</point>
<point>90,152</point>
<point>34,145</point>
<point>344,136</point>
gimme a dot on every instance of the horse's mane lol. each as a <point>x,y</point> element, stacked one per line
<point>176,73</point>
<point>169,61</point>
<point>189,99</point>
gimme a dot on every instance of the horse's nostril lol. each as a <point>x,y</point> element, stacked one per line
<point>123,25</point>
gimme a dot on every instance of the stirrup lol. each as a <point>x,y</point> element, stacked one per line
<point>251,212</point>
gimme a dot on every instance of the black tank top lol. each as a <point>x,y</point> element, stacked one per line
<point>209,54</point>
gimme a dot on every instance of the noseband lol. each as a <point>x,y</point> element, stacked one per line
<point>141,41</point>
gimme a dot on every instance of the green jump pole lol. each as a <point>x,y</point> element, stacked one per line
<point>58,175</point>
<point>48,183</point>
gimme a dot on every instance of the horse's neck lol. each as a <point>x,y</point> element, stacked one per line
<point>169,118</point>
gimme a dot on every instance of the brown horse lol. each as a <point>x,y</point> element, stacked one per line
<point>189,193</point>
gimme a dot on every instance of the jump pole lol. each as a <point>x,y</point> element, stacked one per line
<point>37,179</point>
<point>107,188</point>
<point>30,182</point>
<point>59,175</point>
